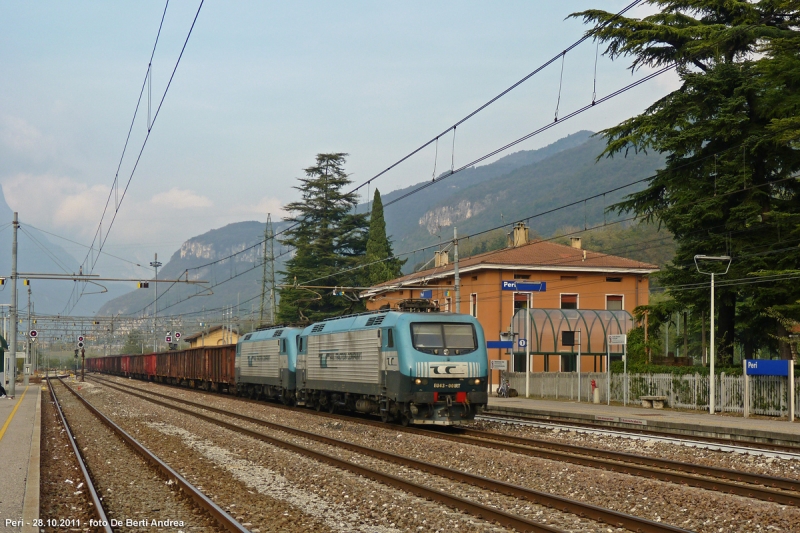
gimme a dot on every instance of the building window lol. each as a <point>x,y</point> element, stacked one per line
<point>447,305</point>
<point>569,301</point>
<point>614,280</point>
<point>569,278</point>
<point>474,278</point>
<point>614,302</point>
<point>473,304</point>
<point>520,301</point>
<point>522,276</point>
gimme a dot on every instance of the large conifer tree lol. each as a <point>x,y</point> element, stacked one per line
<point>727,187</point>
<point>328,238</point>
<point>381,266</point>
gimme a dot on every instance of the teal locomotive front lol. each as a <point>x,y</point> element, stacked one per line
<point>422,368</point>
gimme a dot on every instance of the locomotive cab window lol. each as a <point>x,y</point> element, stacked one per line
<point>389,338</point>
<point>444,339</point>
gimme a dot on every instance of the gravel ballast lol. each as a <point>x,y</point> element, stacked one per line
<point>133,494</point>
<point>684,507</point>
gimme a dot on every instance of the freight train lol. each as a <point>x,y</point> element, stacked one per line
<point>414,368</point>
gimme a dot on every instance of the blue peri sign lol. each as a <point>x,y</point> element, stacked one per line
<point>767,367</point>
<point>524,286</point>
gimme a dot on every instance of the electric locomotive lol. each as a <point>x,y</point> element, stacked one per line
<point>265,364</point>
<point>420,368</point>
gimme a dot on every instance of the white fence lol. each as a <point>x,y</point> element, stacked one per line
<point>768,394</point>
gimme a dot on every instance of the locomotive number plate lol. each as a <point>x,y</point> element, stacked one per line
<point>447,385</point>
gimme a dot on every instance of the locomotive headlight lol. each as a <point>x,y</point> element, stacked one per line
<point>418,381</point>
<point>477,382</point>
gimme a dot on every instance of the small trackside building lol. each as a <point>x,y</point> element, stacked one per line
<point>573,278</point>
<point>213,336</point>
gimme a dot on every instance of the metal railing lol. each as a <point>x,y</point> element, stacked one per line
<point>768,394</point>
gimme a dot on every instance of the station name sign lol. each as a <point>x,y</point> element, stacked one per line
<point>766,367</point>
<point>524,286</point>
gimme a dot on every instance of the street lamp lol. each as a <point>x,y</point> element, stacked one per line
<point>155,263</point>
<point>711,379</point>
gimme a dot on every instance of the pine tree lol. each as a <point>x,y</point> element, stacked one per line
<point>328,238</point>
<point>727,186</point>
<point>381,266</point>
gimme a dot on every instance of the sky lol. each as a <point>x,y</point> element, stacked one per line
<point>262,87</point>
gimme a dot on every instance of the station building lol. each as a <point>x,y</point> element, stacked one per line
<point>213,336</point>
<point>573,289</point>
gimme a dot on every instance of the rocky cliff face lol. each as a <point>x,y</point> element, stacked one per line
<point>194,255</point>
<point>447,215</point>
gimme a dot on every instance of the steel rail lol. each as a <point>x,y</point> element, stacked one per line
<point>223,518</point>
<point>760,487</point>
<point>735,445</point>
<point>668,464</point>
<point>98,504</point>
<point>560,503</point>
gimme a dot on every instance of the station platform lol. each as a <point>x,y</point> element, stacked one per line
<point>20,433</point>
<point>679,423</point>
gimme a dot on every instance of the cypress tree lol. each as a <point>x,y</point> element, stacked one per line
<point>328,237</point>
<point>381,266</point>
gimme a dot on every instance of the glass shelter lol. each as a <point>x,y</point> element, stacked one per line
<point>548,353</point>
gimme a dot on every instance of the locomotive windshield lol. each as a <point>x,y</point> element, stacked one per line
<point>444,338</point>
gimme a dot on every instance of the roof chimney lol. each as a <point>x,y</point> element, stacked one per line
<point>441,258</point>
<point>575,242</point>
<point>519,235</point>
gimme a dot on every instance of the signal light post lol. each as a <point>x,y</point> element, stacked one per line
<point>155,263</point>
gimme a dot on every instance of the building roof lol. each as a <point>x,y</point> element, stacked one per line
<point>199,334</point>
<point>534,256</point>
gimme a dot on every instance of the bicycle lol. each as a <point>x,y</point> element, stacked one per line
<point>503,389</point>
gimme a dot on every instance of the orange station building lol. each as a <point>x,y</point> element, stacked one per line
<point>574,279</point>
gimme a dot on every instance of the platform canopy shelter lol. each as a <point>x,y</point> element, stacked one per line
<point>546,328</point>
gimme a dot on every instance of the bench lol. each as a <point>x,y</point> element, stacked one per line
<point>654,402</point>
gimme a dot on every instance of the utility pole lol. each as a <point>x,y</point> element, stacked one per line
<point>13,311</point>
<point>27,366</point>
<point>455,268</point>
<point>268,272</point>
<point>155,264</point>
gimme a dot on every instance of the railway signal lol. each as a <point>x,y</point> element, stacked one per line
<point>33,334</point>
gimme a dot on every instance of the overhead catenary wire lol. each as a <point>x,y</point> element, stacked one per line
<point>558,263</point>
<point>474,162</point>
<point>467,117</point>
<point>83,245</point>
<point>527,219</point>
<point>533,133</point>
<point>99,238</point>
<point>114,186</point>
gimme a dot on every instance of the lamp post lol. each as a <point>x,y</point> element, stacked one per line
<point>155,264</point>
<point>711,379</point>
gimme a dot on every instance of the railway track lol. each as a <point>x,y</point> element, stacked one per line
<point>761,487</point>
<point>103,523</point>
<point>491,513</point>
<point>115,504</point>
<point>767,449</point>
